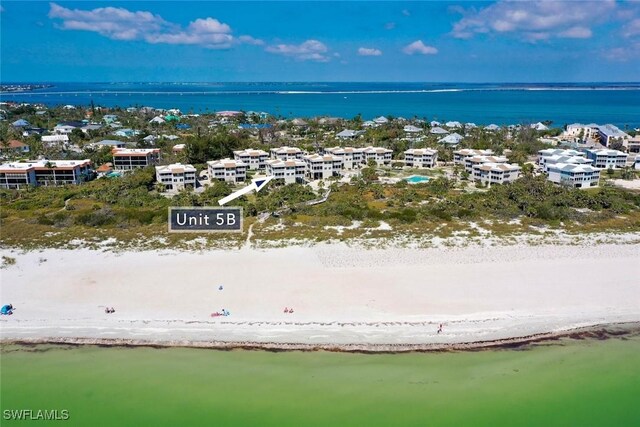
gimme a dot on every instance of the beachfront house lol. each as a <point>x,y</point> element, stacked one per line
<point>44,172</point>
<point>459,156</point>
<point>176,176</point>
<point>607,159</point>
<point>227,170</point>
<point>495,173</point>
<point>255,159</point>
<point>350,157</point>
<point>492,127</point>
<point>453,125</point>
<point>135,158</point>
<point>382,120</point>
<point>573,175</point>
<point>322,166</point>
<point>382,156</point>
<point>286,153</point>
<point>421,157</point>
<point>290,171</point>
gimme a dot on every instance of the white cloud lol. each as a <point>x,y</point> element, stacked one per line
<point>405,12</point>
<point>251,40</point>
<point>366,51</point>
<point>389,25</point>
<point>632,28</point>
<point>121,24</point>
<point>310,50</point>
<point>535,20</point>
<point>419,47</point>
<point>577,33</point>
<point>623,54</point>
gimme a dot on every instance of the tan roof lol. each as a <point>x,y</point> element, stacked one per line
<point>14,143</point>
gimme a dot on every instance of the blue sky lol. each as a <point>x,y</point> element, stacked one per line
<point>459,41</point>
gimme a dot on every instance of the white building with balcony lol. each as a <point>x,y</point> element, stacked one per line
<point>176,176</point>
<point>322,167</point>
<point>382,156</point>
<point>421,157</point>
<point>286,153</point>
<point>459,156</point>
<point>578,176</point>
<point>227,170</point>
<point>255,159</point>
<point>574,160</point>
<point>607,159</point>
<point>471,162</point>
<point>351,157</point>
<point>290,171</point>
<point>495,173</point>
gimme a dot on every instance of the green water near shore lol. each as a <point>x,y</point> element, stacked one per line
<point>585,383</point>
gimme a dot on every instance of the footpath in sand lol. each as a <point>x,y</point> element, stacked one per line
<point>340,296</point>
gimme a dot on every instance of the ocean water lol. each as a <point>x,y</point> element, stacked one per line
<point>479,103</point>
<point>567,383</point>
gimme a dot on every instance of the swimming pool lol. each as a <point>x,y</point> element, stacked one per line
<point>416,179</point>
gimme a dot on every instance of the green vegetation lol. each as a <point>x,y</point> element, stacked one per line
<point>130,208</point>
<point>7,261</point>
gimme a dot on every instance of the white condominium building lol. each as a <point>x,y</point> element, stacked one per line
<point>290,171</point>
<point>470,162</point>
<point>557,152</point>
<point>421,157</point>
<point>459,156</point>
<point>351,157</point>
<point>382,156</point>
<point>579,176</point>
<point>134,158</point>
<point>607,159</point>
<point>227,170</point>
<point>575,160</point>
<point>44,172</point>
<point>254,158</point>
<point>322,167</point>
<point>176,176</point>
<point>286,153</point>
<point>495,173</point>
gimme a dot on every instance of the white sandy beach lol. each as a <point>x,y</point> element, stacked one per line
<point>340,295</point>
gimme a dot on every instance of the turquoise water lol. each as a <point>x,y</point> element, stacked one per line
<point>415,179</point>
<point>479,103</point>
<point>568,383</point>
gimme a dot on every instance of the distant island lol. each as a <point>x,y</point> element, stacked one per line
<point>23,87</point>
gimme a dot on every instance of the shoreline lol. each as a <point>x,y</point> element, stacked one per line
<point>596,332</point>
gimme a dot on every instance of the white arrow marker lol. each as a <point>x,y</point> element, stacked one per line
<point>257,184</point>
